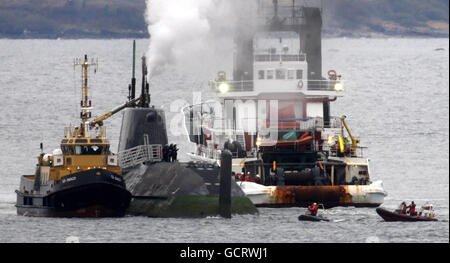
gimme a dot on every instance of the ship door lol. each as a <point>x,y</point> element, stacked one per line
<point>338,174</point>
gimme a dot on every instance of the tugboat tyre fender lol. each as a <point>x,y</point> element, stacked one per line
<point>300,84</point>
<point>332,74</point>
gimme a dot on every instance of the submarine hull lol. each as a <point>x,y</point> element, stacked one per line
<point>91,193</point>
<point>181,190</point>
<point>170,189</point>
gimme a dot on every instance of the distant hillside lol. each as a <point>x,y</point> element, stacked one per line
<point>386,17</point>
<point>72,18</point>
<point>125,18</point>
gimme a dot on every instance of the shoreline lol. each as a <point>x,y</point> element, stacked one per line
<point>88,37</point>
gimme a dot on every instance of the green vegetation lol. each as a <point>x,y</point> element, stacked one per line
<point>125,18</point>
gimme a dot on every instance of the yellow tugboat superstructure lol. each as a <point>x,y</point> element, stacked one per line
<point>82,178</point>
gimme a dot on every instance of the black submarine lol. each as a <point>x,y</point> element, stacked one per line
<point>170,189</point>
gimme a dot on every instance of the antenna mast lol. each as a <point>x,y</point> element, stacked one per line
<point>145,91</point>
<point>132,87</point>
<point>86,104</point>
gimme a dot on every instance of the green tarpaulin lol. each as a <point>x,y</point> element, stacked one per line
<point>290,136</point>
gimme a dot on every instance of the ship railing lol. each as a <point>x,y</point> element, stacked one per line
<point>359,153</point>
<point>236,86</point>
<point>323,85</point>
<point>307,124</point>
<point>72,131</point>
<point>315,123</point>
<point>265,126</point>
<point>140,154</point>
<point>300,85</point>
<point>208,153</point>
<point>69,132</point>
<point>279,58</point>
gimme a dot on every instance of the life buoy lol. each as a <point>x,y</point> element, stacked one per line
<point>332,74</point>
<point>300,84</point>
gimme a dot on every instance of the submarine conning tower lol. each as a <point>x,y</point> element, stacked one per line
<point>142,124</point>
<point>265,16</point>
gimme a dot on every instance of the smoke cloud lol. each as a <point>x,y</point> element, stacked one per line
<point>185,31</point>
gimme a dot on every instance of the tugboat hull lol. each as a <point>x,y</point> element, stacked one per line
<point>92,193</point>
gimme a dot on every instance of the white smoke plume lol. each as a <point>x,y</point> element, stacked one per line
<point>186,31</point>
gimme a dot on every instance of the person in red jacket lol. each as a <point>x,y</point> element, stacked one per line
<point>248,178</point>
<point>412,209</point>
<point>241,177</point>
<point>313,209</point>
<point>403,208</point>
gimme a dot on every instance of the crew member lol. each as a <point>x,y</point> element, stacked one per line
<point>174,153</point>
<point>248,178</point>
<point>313,209</point>
<point>403,208</point>
<point>165,151</point>
<point>412,209</point>
<point>258,179</point>
<point>241,177</point>
<point>170,151</point>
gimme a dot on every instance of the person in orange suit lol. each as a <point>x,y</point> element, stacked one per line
<point>313,209</point>
<point>412,209</point>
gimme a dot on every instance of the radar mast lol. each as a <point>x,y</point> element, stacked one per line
<point>86,104</point>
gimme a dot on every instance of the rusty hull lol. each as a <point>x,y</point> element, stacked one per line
<point>303,196</point>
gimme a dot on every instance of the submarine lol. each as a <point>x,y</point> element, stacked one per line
<point>169,188</point>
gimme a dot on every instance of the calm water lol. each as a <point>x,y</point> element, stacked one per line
<point>396,101</point>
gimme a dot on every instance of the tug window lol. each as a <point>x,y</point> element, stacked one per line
<point>291,74</point>
<point>281,73</point>
<point>88,150</point>
<point>299,74</point>
<point>261,74</point>
<point>270,74</point>
<point>67,150</point>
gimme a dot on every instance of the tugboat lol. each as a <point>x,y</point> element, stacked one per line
<point>83,177</point>
<point>274,116</point>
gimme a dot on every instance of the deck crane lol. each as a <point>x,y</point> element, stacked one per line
<point>354,140</point>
